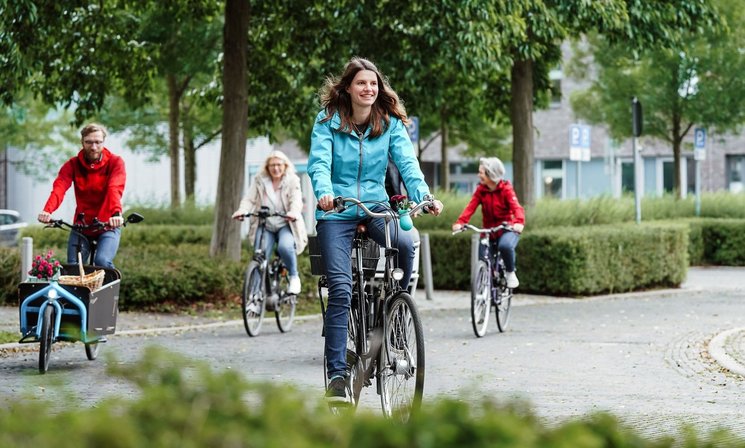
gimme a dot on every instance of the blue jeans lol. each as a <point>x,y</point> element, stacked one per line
<point>506,246</point>
<point>335,240</point>
<point>285,246</point>
<point>107,245</point>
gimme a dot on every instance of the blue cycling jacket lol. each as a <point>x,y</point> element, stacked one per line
<point>343,164</point>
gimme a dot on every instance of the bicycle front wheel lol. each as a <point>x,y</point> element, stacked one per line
<point>253,299</point>
<point>47,338</point>
<point>91,351</point>
<point>504,302</point>
<point>401,359</point>
<point>284,311</point>
<point>480,299</point>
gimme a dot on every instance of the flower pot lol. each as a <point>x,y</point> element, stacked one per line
<point>405,222</point>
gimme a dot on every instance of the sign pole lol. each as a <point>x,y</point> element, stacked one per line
<point>699,154</point>
<point>636,131</point>
<point>698,188</point>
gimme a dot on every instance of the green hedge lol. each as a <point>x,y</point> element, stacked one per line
<point>578,261</point>
<point>132,235</point>
<point>167,266</point>
<point>185,403</point>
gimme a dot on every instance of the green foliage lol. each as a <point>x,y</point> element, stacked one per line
<point>725,240</point>
<point>694,81</point>
<point>187,214</point>
<point>185,403</point>
<point>43,135</point>
<point>600,259</point>
<point>71,53</point>
<point>10,274</point>
<point>578,261</point>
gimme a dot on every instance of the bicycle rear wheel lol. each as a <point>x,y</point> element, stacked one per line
<point>253,299</point>
<point>480,299</point>
<point>47,338</point>
<point>284,310</point>
<point>401,368</point>
<point>504,302</point>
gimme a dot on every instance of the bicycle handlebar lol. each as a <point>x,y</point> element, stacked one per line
<point>96,224</point>
<point>265,214</point>
<point>340,206</point>
<point>504,226</point>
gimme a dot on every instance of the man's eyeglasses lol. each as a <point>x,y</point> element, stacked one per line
<point>93,142</point>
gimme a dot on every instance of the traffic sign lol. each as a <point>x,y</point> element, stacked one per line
<point>413,129</point>
<point>699,144</point>
<point>579,143</point>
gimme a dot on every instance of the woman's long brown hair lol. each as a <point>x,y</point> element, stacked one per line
<point>334,98</point>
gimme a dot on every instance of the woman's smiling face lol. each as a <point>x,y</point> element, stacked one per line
<point>364,89</point>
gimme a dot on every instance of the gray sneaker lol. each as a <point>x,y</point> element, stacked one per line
<point>337,390</point>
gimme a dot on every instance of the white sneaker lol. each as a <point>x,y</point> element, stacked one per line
<point>512,281</point>
<point>294,286</point>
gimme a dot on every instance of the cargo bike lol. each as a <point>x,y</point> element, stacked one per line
<point>79,306</point>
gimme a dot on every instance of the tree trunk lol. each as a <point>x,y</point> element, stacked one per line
<point>521,114</point>
<point>226,238</point>
<point>677,141</point>
<point>445,163</point>
<point>174,98</point>
<point>190,163</point>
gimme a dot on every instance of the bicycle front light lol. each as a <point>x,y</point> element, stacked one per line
<point>397,274</point>
<point>52,294</point>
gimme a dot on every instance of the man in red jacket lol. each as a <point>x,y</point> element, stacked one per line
<point>99,178</point>
<point>498,204</point>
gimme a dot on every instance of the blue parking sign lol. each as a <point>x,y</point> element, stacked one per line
<point>699,144</point>
<point>579,143</point>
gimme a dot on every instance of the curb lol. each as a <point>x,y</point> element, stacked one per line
<point>719,353</point>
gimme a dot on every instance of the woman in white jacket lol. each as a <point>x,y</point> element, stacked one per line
<point>277,186</point>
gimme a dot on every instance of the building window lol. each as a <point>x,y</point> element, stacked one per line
<point>668,170</point>
<point>627,177</point>
<point>735,173</point>
<point>555,76</point>
<point>553,178</point>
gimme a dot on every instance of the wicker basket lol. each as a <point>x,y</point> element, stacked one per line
<point>93,281</point>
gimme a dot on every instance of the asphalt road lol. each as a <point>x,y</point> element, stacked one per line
<point>643,357</point>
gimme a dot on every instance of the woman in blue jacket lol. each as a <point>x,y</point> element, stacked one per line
<point>361,125</point>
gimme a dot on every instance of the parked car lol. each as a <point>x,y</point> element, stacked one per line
<point>10,227</point>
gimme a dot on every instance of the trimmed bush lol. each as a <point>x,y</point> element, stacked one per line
<point>578,261</point>
<point>724,242</point>
<point>603,259</point>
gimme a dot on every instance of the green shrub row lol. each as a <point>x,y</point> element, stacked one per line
<point>133,235</point>
<point>166,266</point>
<point>578,261</point>
<point>184,403</point>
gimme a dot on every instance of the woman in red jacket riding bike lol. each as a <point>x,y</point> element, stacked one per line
<point>498,204</point>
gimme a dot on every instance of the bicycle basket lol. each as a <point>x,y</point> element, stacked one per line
<point>93,281</point>
<point>370,257</point>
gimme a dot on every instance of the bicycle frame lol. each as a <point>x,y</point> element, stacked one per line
<point>268,270</point>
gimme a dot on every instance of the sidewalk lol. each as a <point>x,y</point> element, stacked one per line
<point>727,348</point>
